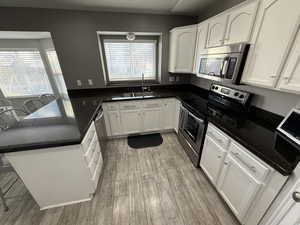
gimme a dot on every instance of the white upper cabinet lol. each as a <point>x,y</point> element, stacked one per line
<point>182,49</point>
<point>200,44</point>
<point>290,78</point>
<point>216,31</point>
<point>275,30</point>
<point>240,23</point>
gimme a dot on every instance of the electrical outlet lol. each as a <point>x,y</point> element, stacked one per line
<point>177,78</point>
<point>79,83</point>
<point>90,81</point>
<point>171,78</point>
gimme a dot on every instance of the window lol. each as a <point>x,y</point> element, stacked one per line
<point>127,61</point>
<point>22,73</point>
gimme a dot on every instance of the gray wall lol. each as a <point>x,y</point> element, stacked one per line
<point>274,101</point>
<point>215,7</point>
<point>75,40</point>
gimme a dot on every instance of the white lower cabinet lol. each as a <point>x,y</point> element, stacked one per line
<point>60,176</point>
<point>133,121</point>
<point>212,159</point>
<point>168,110</point>
<point>114,121</point>
<point>152,120</point>
<point>142,116</point>
<point>237,186</point>
<point>246,183</point>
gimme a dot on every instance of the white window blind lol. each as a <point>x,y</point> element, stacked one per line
<point>22,73</point>
<point>127,60</point>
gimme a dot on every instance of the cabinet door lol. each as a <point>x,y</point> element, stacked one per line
<point>131,121</point>
<point>152,119</point>
<point>182,49</point>
<point>240,23</point>
<point>237,187</point>
<point>115,123</point>
<point>275,30</point>
<point>216,31</point>
<point>168,114</point>
<point>288,212</point>
<point>212,159</point>
<point>290,77</point>
<point>200,44</point>
<point>177,115</point>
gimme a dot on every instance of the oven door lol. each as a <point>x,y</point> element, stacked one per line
<point>193,129</point>
<point>223,66</point>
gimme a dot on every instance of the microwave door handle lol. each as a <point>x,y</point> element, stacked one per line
<point>224,67</point>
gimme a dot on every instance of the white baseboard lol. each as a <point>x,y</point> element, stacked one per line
<point>66,203</point>
<point>152,132</point>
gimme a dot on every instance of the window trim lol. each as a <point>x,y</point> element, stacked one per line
<point>158,56</point>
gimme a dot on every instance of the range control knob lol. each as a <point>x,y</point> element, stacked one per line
<point>241,96</point>
<point>236,94</point>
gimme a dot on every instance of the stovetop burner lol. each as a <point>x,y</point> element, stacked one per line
<point>228,105</point>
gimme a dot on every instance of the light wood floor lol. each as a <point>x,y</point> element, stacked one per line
<point>152,186</point>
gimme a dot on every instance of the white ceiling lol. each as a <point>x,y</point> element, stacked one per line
<point>180,7</point>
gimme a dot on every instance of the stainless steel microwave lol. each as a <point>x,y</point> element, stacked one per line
<point>223,63</point>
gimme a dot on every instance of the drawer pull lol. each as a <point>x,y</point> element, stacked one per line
<point>218,139</point>
<point>226,163</point>
<point>219,156</point>
<point>252,168</point>
<point>296,196</point>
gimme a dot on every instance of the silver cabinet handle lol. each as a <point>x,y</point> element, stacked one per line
<point>226,163</point>
<point>296,196</point>
<point>219,156</point>
<point>218,139</point>
<point>273,76</point>
<point>252,168</point>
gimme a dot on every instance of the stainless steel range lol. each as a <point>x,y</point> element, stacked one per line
<point>224,104</point>
<point>191,133</point>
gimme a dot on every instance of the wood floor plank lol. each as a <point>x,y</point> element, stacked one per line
<point>151,186</point>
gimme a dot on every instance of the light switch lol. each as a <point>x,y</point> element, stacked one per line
<point>79,83</point>
<point>90,81</point>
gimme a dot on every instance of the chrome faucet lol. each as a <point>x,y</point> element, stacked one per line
<point>143,87</point>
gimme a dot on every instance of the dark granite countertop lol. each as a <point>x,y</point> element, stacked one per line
<point>68,125</point>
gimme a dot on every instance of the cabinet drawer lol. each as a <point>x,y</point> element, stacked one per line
<point>112,106</point>
<point>129,105</point>
<point>218,136</point>
<point>255,167</point>
<point>87,140</point>
<point>89,153</point>
<point>94,161</point>
<point>95,177</point>
<point>152,104</point>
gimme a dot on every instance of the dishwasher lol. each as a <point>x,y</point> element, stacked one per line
<point>101,130</point>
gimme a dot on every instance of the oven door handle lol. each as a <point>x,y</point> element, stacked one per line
<point>196,118</point>
<point>191,114</point>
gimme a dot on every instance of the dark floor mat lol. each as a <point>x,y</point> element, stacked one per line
<point>145,141</point>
